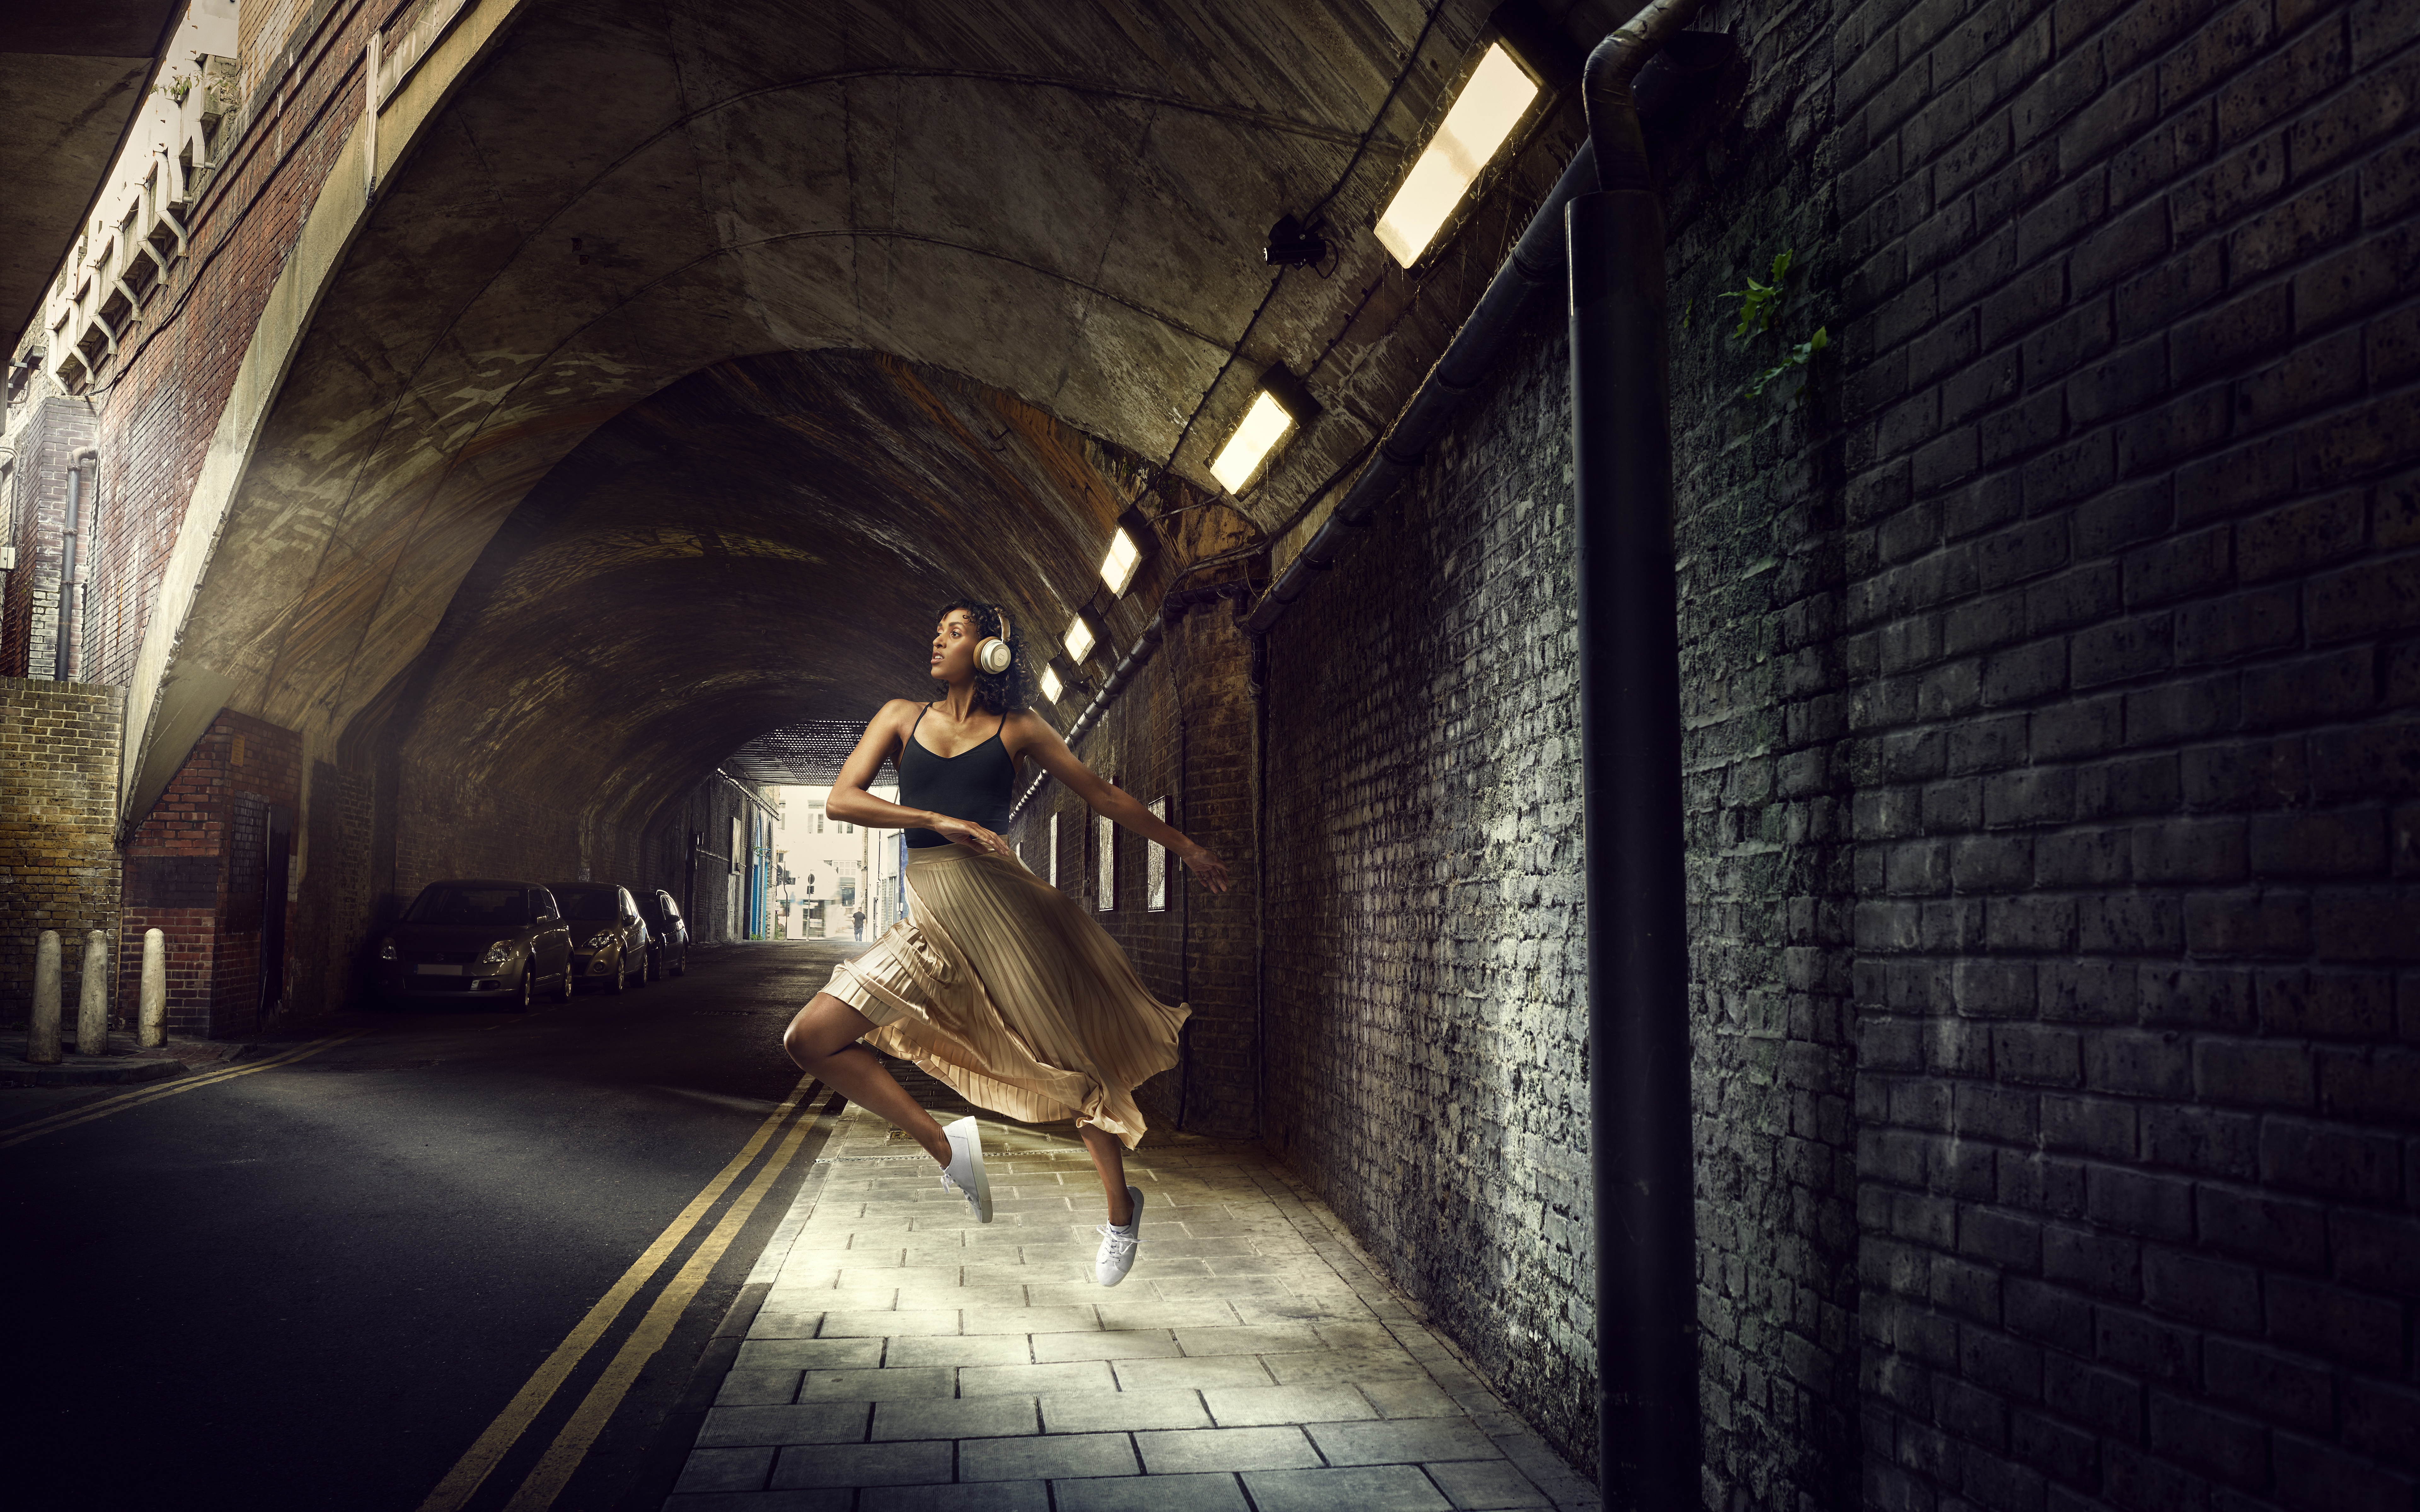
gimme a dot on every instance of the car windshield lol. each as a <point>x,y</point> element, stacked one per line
<point>588,904</point>
<point>469,905</point>
<point>655,910</point>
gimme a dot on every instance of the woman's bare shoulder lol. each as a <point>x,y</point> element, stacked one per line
<point>1025,726</point>
<point>893,720</point>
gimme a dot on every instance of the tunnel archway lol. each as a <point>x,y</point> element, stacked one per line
<point>1063,204</point>
<point>758,546</point>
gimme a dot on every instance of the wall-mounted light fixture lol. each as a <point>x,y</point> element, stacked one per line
<point>1118,566</point>
<point>1493,101</point>
<point>1132,541</point>
<point>1084,634</point>
<point>1283,406</point>
<point>1051,686</point>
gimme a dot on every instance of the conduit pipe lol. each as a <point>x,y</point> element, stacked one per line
<point>1648,1441</point>
<point>1537,262</point>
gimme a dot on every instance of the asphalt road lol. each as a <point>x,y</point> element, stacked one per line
<point>318,1285</point>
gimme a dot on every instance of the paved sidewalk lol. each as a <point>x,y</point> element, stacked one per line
<point>906,1358</point>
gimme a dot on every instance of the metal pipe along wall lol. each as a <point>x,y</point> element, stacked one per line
<point>1648,1427</point>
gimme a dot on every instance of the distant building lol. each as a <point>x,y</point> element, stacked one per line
<point>838,869</point>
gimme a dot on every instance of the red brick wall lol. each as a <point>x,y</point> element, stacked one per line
<point>158,401</point>
<point>180,880</point>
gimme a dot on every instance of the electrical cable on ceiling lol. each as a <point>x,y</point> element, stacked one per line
<point>1310,217</point>
<point>1411,59</point>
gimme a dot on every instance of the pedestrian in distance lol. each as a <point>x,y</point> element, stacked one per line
<point>860,919</point>
<point>997,983</point>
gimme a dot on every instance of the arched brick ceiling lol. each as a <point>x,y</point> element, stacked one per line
<point>759,546</point>
<point>1060,203</point>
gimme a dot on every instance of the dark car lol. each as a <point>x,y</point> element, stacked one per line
<point>667,933</point>
<point>474,940</point>
<point>608,939</point>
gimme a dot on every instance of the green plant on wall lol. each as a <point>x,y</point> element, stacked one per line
<point>1761,303</point>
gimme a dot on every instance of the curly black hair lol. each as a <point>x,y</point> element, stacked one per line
<point>995,692</point>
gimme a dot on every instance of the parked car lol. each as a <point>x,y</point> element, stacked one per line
<point>608,939</point>
<point>478,940</point>
<point>667,933</point>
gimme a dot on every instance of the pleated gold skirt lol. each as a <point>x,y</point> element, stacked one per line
<point>1002,986</point>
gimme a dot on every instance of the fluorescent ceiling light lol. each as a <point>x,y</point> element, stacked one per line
<point>1051,686</point>
<point>1265,424</point>
<point>1490,106</point>
<point>1079,640</point>
<point>1118,567</point>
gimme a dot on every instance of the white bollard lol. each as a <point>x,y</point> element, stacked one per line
<point>42,1034</point>
<point>92,999</point>
<point>153,1031</point>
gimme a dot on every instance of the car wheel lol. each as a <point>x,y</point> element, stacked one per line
<point>527,997</point>
<point>680,963</point>
<point>564,994</point>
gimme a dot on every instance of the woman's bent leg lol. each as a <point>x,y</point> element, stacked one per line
<point>1108,1154</point>
<point>823,1041</point>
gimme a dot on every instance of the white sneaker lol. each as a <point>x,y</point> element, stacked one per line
<point>1119,1242</point>
<point>964,1175</point>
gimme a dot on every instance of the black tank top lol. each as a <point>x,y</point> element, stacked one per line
<point>972,785</point>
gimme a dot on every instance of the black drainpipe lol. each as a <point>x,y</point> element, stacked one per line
<point>68,610</point>
<point>1643,1197</point>
<point>1648,1446</point>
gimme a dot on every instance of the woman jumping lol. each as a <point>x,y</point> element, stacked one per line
<point>997,983</point>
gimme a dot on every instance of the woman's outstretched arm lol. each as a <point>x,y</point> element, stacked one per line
<point>1035,738</point>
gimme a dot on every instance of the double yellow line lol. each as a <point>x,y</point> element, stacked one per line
<point>554,1469</point>
<point>124,1101</point>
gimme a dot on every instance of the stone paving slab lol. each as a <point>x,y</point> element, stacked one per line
<point>905,1359</point>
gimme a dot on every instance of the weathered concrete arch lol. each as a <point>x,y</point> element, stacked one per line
<point>581,203</point>
<point>757,546</point>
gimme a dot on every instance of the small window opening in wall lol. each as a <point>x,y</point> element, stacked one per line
<point>235,751</point>
<point>1104,840</point>
<point>1052,820</point>
<point>1155,865</point>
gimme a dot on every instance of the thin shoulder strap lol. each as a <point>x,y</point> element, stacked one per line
<point>918,725</point>
<point>997,728</point>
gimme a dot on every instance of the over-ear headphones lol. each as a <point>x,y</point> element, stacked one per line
<point>994,654</point>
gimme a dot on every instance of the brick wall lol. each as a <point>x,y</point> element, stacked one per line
<point>1768,785</point>
<point>194,869</point>
<point>58,809</point>
<point>2050,787</point>
<point>1426,1020</point>
<point>1182,730</point>
<point>156,405</point>
<point>46,436</point>
<point>2130,422</point>
<point>660,858</point>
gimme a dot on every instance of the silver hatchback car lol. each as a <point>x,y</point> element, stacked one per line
<point>477,941</point>
<point>608,939</point>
